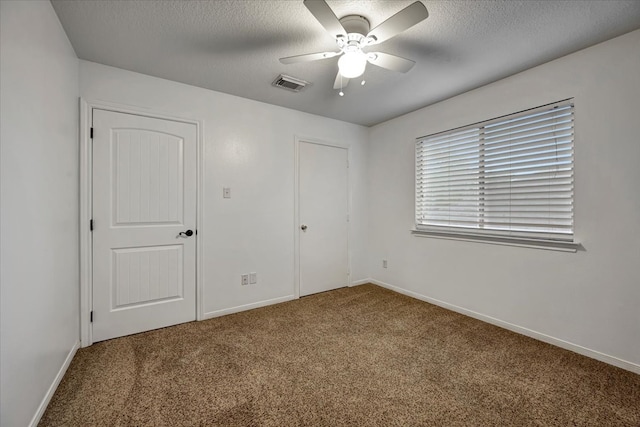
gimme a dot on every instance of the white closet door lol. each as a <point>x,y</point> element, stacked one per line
<point>323,208</point>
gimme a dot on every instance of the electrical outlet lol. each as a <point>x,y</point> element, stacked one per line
<point>244,279</point>
<point>384,263</point>
<point>253,278</point>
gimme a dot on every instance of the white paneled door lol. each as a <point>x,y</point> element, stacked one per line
<point>144,219</point>
<point>323,215</point>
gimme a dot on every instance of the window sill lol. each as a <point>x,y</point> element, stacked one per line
<point>552,245</point>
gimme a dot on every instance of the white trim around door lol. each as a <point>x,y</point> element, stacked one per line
<point>86,285</point>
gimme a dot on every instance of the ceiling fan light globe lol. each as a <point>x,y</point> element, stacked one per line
<point>352,64</point>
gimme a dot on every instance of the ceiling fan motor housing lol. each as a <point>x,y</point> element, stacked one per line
<point>355,24</point>
<point>357,27</point>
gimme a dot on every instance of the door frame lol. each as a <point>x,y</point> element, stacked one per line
<point>296,246</point>
<point>86,192</point>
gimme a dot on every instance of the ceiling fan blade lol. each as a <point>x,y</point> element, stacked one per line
<point>403,20</point>
<point>337,84</point>
<point>308,57</point>
<point>323,13</point>
<point>391,62</point>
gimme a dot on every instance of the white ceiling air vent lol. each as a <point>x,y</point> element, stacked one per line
<point>289,83</point>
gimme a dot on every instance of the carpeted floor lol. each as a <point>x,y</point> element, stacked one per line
<point>361,356</point>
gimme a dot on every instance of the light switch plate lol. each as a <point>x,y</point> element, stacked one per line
<point>226,192</point>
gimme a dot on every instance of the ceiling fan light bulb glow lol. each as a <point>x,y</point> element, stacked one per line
<point>352,64</point>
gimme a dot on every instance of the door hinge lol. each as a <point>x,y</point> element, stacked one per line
<point>91,317</point>
<point>91,133</point>
<point>91,225</point>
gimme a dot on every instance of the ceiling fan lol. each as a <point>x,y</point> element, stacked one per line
<point>352,36</point>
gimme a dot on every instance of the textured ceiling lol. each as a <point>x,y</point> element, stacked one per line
<point>233,46</point>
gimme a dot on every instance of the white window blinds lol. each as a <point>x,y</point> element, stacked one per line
<point>511,176</point>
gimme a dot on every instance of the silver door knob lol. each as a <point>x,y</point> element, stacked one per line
<point>303,227</point>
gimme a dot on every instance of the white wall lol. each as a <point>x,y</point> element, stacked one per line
<point>248,146</point>
<point>590,298</point>
<point>39,198</point>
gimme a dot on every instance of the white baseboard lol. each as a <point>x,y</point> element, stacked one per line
<point>360,282</point>
<point>245,307</point>
<point>611,360</point>
<point>52,389</point>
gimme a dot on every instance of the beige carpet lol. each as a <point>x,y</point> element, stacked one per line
<point>360,356</point>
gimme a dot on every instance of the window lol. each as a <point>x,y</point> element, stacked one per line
<point>507,177</point>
